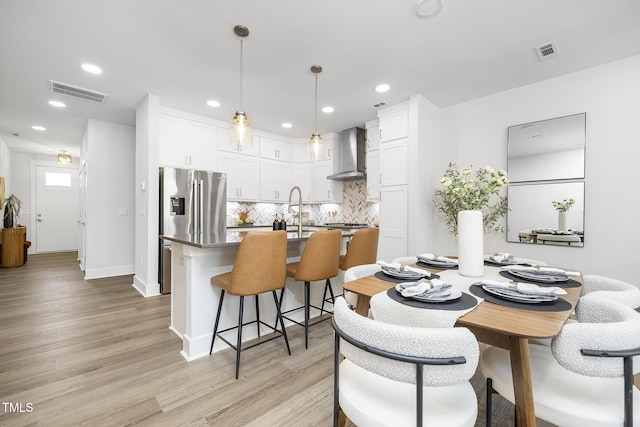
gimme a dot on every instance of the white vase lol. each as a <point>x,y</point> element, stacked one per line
<point>562,221</point>
<point>470,244</point>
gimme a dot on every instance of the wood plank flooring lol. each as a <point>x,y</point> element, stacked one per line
<point>95,352</point>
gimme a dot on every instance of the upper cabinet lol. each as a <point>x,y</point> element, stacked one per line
<point>242,176</point>
<point>275,150</point>
<point>275,181</point>
<point>394,126</point>
<point>373,136</point>
<point>187,144</point>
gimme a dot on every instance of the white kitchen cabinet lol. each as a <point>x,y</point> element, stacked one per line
<point>276,150</point>
<point>325,190</point>
<point>373,175</point>
<point>302,178</point>
<point>394,125</point>
<point>302,152</point>
<point>242,175</point>
<point>225,145</point>
<point>393,222</point>
<point>373,137</point>
<point>187,144</point>
<point>394,159</point>
<point>275,181</point>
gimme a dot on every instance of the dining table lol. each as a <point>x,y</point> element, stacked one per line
<point>495,324</point>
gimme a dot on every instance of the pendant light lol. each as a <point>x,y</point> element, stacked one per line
<point>316,139</point>
<point>64,157</point>
<point>240,131</point>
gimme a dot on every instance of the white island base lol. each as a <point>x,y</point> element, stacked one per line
<point>194,301</point>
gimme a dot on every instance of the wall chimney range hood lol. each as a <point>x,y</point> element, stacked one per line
<point>352,146</point>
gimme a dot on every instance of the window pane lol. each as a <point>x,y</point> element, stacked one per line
<point>59,179</point>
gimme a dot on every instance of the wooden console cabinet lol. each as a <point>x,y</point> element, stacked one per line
<point>13,246</point>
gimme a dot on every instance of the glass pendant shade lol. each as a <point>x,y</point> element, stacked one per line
<point>241,131</point>
<point>64,157</point>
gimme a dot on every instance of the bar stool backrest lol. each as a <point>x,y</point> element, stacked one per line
<point>320,258</point>
<point>260,264</point>
<point>363,248</point>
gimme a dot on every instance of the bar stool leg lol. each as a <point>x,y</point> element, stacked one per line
<point>279,312</point>
<point>306,313</point>
<point>239,343</point>
<point>257,315</point>
<point>215,327</point>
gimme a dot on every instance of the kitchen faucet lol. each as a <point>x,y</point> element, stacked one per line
<point>299,207</point>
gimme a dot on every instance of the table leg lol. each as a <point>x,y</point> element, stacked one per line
<point>362,305</point>
<point>522,387</point>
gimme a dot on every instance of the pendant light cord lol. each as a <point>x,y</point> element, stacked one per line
<point>315,115</point>
<point>241,69</point>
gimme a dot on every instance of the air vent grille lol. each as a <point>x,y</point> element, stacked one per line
<point>77,92</point>
<point>379,104</point>
<point>547,51</point>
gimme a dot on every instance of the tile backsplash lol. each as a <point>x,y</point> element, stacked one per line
<point>354,208</point>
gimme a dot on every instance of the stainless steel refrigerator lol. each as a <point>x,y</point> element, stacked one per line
<point>192,203</point>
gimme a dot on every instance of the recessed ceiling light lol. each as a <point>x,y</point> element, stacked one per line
<point>287,125</point>
<point>427,8</point>
<point>327,109</point>
<point>58,104</point>
<point>383,88</point>
<point>93,69</point>
<point>213,103</point>
<point>37,127</point>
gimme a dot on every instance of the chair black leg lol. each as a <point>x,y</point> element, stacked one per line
<point>279,314</point>
<point>239,343</point>
<point>324,298</point>
<point>327,286</point>
<point>306,314</point>
<point>215,326</point>
<point>489,402</point>
<point>257,315</point>
<point>333,298</point>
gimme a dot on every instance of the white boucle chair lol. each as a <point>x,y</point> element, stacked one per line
<point>614,289</point>
<point>580,380</point>
<point>357,272</point>
<point>387,369</point>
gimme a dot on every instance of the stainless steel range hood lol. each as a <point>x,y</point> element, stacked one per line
<point>352,145</point>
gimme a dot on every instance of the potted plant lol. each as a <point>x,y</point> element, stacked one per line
<point>12,207</point>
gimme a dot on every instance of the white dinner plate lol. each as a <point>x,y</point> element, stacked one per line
<point>403,274</point>
<point>454,295</point>
<point>515,296</point>
<point>437,263</point>
<point>539,277</point>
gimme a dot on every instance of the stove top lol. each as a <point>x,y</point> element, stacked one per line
<point>346,225</point>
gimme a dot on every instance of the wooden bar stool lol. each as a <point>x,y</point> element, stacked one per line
<point>260,266</point>
<point>319,261</point>
<point>362,249</point>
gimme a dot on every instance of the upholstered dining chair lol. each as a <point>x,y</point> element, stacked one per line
<point>586,377</point>
<point>614,289</point>
<point>320,260</point>
<point>357,272</point>
<point>259,267</point>
<point>362,249</point>
<point>399,376</point>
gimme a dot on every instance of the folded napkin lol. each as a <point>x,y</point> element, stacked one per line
<point>500,257</point>
<point>545,271</point>
<point>401,267</point>
<point>524,288</point>
<point>432,257</point>
<point>423,287</point>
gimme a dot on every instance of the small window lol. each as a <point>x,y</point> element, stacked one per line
<point>57,179</point>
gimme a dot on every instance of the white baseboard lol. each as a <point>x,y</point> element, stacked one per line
<point>146,290</point>
<point>99,273</point>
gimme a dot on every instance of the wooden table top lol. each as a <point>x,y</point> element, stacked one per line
<point>488,316</point>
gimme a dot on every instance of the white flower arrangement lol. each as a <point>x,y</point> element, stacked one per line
<point>464,190</point>
<point>564,205</point>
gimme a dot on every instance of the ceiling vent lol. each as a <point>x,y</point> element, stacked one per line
<point>77,92</point>
<point>547,51</point>
<point>379,104</point>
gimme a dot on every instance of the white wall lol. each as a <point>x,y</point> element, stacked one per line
<point>476,132</point>
<point>110,155</point>
<point>5,166</point>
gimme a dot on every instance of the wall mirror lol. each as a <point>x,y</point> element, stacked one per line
<point>533,219</point>
<point>547,150</point>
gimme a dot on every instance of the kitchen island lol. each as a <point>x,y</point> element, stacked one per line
<point>194,301</point>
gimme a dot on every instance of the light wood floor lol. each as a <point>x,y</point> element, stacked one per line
<point>96,353</point>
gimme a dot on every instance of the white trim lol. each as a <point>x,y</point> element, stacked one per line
<point>99,273</point>
<point>146,290</point>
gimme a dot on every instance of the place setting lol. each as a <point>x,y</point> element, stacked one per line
<point>439,262</point>
<point>399,273</point>
<point>521,295</point>
<point>502,259</point>
<point>542,275</point>
<point>431,294</point>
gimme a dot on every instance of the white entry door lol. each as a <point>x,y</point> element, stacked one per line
<point>57,206</point>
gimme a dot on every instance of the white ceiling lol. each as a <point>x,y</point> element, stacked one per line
<point>185,52</point>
